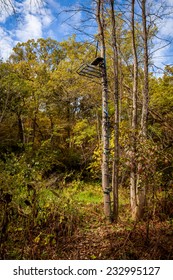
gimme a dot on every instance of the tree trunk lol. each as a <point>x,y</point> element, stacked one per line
<point>141,191</point>
<point>116,118</point>
<point>105,117</point>
<point>34,124</point>
<point>133,174</point>
<point>21,134</point>
<point>144,118</point>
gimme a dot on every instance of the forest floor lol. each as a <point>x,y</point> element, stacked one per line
<point>99,239</point>
<point>73,227</point>
<point>124,240</point>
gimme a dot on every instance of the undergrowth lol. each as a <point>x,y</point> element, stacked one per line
<point>42,222</point>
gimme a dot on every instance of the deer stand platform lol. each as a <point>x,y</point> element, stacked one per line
<point>92,70</point>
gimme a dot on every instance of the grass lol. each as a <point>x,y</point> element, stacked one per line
<point>82,193</point>
<point>90,194</point>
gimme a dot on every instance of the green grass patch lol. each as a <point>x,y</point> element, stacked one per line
<point>89,194</point>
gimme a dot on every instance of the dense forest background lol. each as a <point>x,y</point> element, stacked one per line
<point>51,146</point>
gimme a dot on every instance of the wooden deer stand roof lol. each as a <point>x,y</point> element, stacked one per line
<point>92,70</point>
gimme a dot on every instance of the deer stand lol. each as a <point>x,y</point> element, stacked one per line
<point>92,70</point>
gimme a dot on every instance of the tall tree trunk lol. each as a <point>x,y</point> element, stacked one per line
<point>146,81</point>
<point>120,78</point>
<point>116,119</point>
<point>68,127</point>
<point>21,134</point>
<point>133,174</point>
<point>141,191</point>
<point>105,117</point>
<point>34,124</point>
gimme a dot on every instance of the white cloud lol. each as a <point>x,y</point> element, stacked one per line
<point>55,5</point>
<point>6,43</point>
<point>166,27</point>
<point>6,10</point>
<point>170,2</point>
<point>31,28</point>
<point>34,18</point>
<point>3,15</point>
<point>33,6</point>
<point>46,19</point>
<point>45,16</point>
<point>163,45</point>
<point>37,18</point>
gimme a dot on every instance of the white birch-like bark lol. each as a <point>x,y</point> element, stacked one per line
<point>133,164</point>
<point>105,117</point>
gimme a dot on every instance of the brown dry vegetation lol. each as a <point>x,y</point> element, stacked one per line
<point>89,236</point>
<point>125,240</point>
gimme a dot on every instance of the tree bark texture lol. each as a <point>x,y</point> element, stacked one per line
<point>105,117</point>
<point>115,172</point>
<point>133,174</point>
<point>141,190</point>
<point>21,134</point>
<point>146,81</point>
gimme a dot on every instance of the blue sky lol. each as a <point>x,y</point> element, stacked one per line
<point>36,19</point>
<point>39,18</point>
